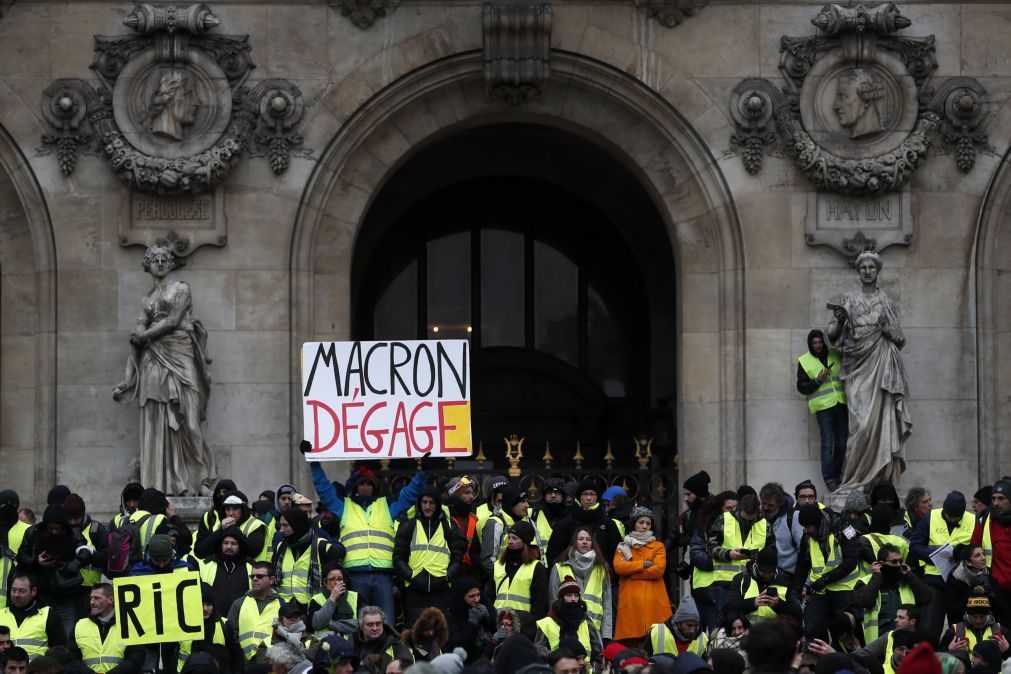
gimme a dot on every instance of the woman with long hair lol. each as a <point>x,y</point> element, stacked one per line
<point>640,561</point>
<point>583,561</point>
<point>521,581</point>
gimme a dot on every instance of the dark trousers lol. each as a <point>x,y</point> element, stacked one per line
<point>933,613</point>
<point>415,602</point>
<point>834,428</point>
<point>820,608</point>
<point>709,601</point>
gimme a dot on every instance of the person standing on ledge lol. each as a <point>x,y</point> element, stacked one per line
<point>818,378</point>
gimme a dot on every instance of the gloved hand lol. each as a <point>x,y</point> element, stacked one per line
<point>305,446</point>
<point>818,586</point>
<point>84,555</point>
<point>426,463</point>
<point>70,568</point>
<point>500,636</point>
<point>477,613</point>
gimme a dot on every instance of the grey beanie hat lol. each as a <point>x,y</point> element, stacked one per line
<point>856,502</point>
<point>686,611</point>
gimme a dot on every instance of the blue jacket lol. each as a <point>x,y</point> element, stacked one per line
<point>335,503</point>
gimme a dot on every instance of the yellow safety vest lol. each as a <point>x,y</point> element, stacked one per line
<point>506,520</point>
<point>30,634</point>
<point>761,612</point>
<point>321,599</point>
<point>149,526</point>
<point>8,556</point>
<point>254,627</point>
<point>725,571</point>
<point>889,652</point>
<point>209,570</point>
<point>592,593</point>
<point>293,574</point>
<point>939,535</point>
<point>702,578</point>
<point>553,632</point>
<point>962,631</point>
<point>820,566</point>
<point>483,512</point>
<point>872,619</point>
<point>367,536</point>
<point>267,554</point>
<point>515,593</point>
<point>186,647</point>
<point>429,554</point>
<point>543,527</point>
<point>661,638</point>
<point>98,655</point>
<point>92,576</point>
<point>831,392</point>
<point>878,540</point>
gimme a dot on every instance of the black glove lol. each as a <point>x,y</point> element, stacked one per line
<point>818,586</point>
<point>426,463</point>
<point>70,568</point>
<point>684,570</point>
<point>84,555</point>
<point>305,446</point>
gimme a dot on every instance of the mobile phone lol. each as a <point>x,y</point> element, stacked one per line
<point>772,591</point>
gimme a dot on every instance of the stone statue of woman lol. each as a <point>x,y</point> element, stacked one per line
<point>167,373</point>
<point>865,328</point>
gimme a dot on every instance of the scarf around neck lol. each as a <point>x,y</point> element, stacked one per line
<point>634,539</point>
<point>582,562</point>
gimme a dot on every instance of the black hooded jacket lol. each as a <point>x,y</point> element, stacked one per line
<point>210,519</point>
<point>806,385</point>
<point>605,531</point>
<point>424,581</point>
<point>210,543</point>
<point>62,580</point>
<point>153,501</point>
<point>231,580</point>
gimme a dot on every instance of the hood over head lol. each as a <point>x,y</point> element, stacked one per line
<point>131,492</point>
<point>152,501</point>
<point>811,335</point>
<point>433,493</point>
<point>299,521</point>
<point>288,489</point>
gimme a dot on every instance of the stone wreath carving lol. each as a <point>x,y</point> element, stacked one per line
<point>173,116</point>
<point>857,113</point>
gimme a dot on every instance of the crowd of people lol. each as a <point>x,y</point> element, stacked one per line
<point>432,580</point>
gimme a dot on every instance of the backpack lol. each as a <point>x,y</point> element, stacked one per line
<point>124,545</point>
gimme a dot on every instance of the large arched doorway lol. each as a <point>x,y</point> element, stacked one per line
<point>547,254</point>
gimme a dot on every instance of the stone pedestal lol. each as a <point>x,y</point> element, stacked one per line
<point>191,508</point>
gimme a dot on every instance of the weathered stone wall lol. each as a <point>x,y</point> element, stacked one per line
<point>749,287</point>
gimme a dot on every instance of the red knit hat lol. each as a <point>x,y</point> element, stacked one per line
<point>613,649</point>
<point>920,660</point>
<point>366,474</point>
<point>569,586</point>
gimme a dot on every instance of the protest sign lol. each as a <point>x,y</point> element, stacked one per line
<point>382,400</point>
<point>159,609</point>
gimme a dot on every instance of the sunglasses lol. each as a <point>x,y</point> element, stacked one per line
<point>255,576</point>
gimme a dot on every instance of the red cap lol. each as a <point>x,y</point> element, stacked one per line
<point>366,474</point>
<point>613,649</point>
<point>920,660</point>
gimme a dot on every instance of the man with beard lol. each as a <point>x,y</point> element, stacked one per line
<point>994,534</point>
<point>49,552</point>
<point>461,498</point>
<point>589,513</point>
<point>226,572</point>
<point>251,617</point>
<point>216,633</point>
<point>366,527</point>
<point>680,634</point>
<point>818,378</point>
<point>211,520</point>
<point>12,534</point>
<point>33,625</point>
<point>94,639</point>
<point>777,509</point>
<point>426,555</point>
<point>301,557</point>
<point>695,491</point>
<point>235,508</point>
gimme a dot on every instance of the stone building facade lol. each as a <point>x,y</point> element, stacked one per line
<point>597,107</point>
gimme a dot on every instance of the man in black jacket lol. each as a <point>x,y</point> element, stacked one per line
<point>427,555</point>
<point>586,512</point>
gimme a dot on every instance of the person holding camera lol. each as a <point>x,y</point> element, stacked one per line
<point>761,591</point>
<point>53,553</point>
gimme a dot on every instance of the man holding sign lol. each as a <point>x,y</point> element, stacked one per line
<point>381,400</point>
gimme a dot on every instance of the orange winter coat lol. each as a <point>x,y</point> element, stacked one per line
<point>642,595</point>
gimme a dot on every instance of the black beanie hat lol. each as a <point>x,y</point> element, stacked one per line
<point>744,490</point>
<point>524,530</point>
<point>588,485</point>
<point>984,494</point>
<point>767,559</point>
<point>57,494</point>
<point>511,496</point>
<point>554,484</point>
<point>809,516</point>
<point>298,519</point>
<point>10,497</point>
<point>206,593</point>
<point>698,484</point>
<point>954,504</point>
<point>884,490</point>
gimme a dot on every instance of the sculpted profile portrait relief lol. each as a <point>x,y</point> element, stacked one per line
<point>173,105</point>
<point>858,102</point>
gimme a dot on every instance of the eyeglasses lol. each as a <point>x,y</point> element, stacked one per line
<point>255,576</point>
<point>334,579</point>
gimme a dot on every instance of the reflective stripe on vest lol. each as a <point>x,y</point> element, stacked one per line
<point>872,619</point>
<point>148,528</point>
<point>761,612</point>
<point>293,574</point>
<point>321,599</point>
<point>820,566</point>
<point>725,571</point>
<point>91,576</point>
<point>889,652</point>
<point>31,633</point>
<point>592,593</point>
<point>267,554</point>
<point>483,512</point>
<point>515,593</point>
<point>543,527</point>
<point>553,632</point>
<point>661,638</point>
<point>8,556</point>
<point>939,535</point>
<point>988,542</point>
<point>878,540</point>
<point>367,537</point>
<point>831,392</point>
<point>254,627</point>
<point>186,647</point>
<point>962,631</point>
<point>99,655</point>
<point>429,554</point>
<point>209,570</point>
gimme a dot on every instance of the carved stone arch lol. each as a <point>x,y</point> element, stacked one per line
<point>992,257</point>
<point>606,107</point>
<point>27,327</point>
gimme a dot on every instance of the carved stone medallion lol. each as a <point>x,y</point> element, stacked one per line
<point>173,116</point>
<point>857,114</point>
